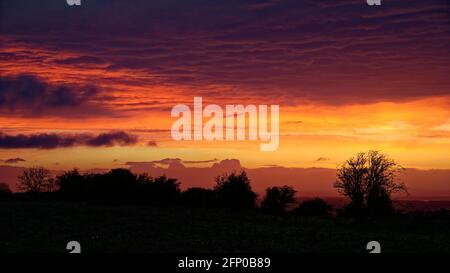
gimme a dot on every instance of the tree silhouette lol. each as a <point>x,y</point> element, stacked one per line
<point>73,185</point>
<point>118,186</point>
<point>313,207</point>
<point>161,190</point>
<point>278,199</point>
<point>368,180</point>
<point>5,191</point>
<point>234,191</point>
<point>199,197</point>
<point>36,179</point>
<point>379,202</point>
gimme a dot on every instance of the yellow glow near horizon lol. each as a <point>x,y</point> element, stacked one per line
<point>413,133</point>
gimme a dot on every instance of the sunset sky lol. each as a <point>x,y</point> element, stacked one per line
<point>93,86</point>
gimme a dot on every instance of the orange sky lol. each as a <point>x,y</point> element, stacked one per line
<point>415,132</point>
<point>337,94</point>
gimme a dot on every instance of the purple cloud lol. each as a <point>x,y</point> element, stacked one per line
<point>327,51</point>
<point>53,141</point>
<point>14,160</point>
<point>27,95</point>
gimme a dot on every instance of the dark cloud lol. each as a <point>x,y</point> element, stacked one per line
<point>294,122</point>
<point>79,60</point>
<point>28,95</point>
<point>14,160</point>
<point>323,159</point>
<point>200,161</point>
<point>272,166</point>
<point>53,141</point>
<point>331,51</point>
<point>192,176</point>
<point>152,143</point>
<point>143,166</point>
<point>111,139</point>
<point>167,161</point>
<point>173,163</point>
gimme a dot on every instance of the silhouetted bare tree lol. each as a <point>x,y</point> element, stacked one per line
<point>36,179</point>
<point>368,180</point>
<point>277,199</point>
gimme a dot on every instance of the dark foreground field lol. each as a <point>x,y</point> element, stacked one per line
<point>47,227</point>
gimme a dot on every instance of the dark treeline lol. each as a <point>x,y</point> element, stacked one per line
<point>367,180</point>
<point>120,186</point>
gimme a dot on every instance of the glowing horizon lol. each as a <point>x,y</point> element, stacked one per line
<point>338,94</point>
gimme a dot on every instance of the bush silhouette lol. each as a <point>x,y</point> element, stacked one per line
<point>233,191</point>
<point>278,199</point>
<point>199,197</point>
<point>313,207</point>
<point>4,188</point>
<point>5,191</point>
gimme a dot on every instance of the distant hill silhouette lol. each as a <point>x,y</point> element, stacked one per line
<point>311,181</point>
<point>422,184</point>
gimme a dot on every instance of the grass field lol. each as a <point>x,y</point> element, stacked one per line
<point>47,227</point>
